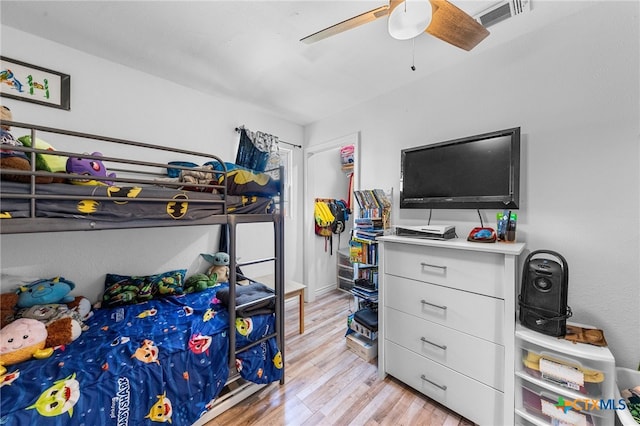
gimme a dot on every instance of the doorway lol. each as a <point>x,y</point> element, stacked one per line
<point>324,178</point>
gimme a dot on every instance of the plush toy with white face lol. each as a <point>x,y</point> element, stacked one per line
<point>220,266</point>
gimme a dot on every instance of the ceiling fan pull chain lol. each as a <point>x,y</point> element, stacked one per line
<point>413,55</point>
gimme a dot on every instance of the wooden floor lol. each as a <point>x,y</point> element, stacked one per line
<point>327,384</point>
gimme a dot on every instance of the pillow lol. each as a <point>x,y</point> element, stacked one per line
<point>48,162</point>
<point>126,289</point>
<point>169,283</point>
<point>246,182</point>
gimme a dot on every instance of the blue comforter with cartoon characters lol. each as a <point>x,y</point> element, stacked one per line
<point>160,361</point>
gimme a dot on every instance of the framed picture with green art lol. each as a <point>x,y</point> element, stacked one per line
<point>31,83</point>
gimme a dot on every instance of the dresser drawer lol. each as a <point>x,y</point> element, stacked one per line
<point>345,272</point>
<point>469,398</point>
<point>345,284</point>
<point>474,271</point>
<point>478,358</point>
<point>543,405</point>
<point>471,313</point>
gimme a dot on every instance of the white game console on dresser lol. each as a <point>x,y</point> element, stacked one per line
<point>447,317</point>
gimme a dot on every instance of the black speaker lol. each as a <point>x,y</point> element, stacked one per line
<point>543,295</point>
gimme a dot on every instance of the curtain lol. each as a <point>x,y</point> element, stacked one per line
<point>258,151</point>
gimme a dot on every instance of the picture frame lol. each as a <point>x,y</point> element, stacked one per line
<point>31,83</point>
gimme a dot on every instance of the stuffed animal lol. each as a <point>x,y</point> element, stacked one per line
<point>27,338</point>
<point>63,325</point>
<point>8,302</point>
<point>199,175</point>
<point>45,291</point>
<point>220,266</point>
<point>82,306</point>
<point>199,282</point>
<point>21,340</point>
<point>88,167</point>
<point>47,162</point>
<point>9,158</point>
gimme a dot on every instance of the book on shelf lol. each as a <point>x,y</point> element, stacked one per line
<point>369,291</point>
<point>369,233</point>
<point>385,207</point>
<point>381,197</point>
<point>369,295</point>
<point>365,285</point>
<point>369,273</point>
<point>375,204</point>
<point>359,199</point>
<point>367,267</point>
<point>355,251</point>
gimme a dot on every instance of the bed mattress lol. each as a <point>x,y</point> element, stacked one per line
<point>164,360</point>
<point>113,203</point>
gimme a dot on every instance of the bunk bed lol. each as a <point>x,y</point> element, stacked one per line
<point>182,358</point>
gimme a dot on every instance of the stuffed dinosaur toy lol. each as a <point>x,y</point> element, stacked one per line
<point>45,291</point>
<point>88,168</point>
<point>199,282</point>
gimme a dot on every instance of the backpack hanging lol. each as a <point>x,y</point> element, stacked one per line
<point>340,212</point>
<point>341,215</point>
<point>324,219</point>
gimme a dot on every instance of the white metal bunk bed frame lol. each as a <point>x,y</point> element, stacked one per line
<point>236,389</point>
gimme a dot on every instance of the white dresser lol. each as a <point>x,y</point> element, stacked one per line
<point>447,322</point>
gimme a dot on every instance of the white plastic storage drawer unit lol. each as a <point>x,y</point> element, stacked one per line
<point>344,271</point>
<point>549,368</point>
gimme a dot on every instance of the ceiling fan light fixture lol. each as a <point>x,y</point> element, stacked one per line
<point>409,19</point>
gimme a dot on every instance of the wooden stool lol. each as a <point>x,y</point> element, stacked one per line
<point>291,289</point>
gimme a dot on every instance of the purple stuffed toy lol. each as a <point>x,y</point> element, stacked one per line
<point>88,167</point>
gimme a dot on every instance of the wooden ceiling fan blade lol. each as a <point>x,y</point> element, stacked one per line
<point>348,24</point>
<point>454,26</point>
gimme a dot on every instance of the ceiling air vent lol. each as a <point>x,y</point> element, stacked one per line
<point>501,11</point>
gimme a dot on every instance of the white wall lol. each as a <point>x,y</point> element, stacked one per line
<point>573,88</point>
<point>113,100</point>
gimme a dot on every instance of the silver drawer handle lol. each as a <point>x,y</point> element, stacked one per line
<point>443,347</point>
<point>424,302</point>
<point>431,265</point>
<point>443,387</point>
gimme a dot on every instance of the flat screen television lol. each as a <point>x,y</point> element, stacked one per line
<point>475,172</point>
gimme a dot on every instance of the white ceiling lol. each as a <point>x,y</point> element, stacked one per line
<point>250,50</point>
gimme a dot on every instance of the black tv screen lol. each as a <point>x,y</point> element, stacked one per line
<point>481,171</point>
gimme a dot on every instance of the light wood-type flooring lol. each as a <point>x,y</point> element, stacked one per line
<point>327,384</point>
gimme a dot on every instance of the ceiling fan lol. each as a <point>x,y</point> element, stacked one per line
<point>410,18</point>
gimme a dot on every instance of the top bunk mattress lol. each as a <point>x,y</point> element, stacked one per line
<point>122,203</point>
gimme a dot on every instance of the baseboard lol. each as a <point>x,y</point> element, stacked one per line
<point>327,289</point>
<point>228,400</point>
